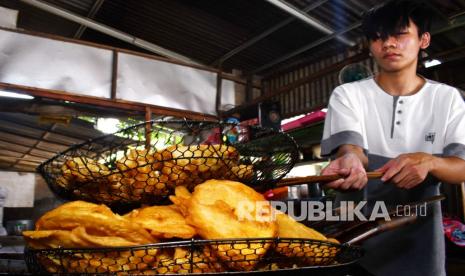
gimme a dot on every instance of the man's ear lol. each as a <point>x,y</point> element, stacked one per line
<point>425,40</point>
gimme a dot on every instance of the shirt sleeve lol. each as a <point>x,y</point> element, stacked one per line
<point>342,124</point>
<point>454,142</point>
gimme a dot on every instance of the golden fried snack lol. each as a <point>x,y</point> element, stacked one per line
<point>139,175</point>
<point>144,174</point>
<point>162,222</point>
<point>120,262</point>
<point>222,209</point>
<point>141,159</point>
<point>201,157</point>
<point>76,238</point>
<point>176,174</point>
<point>194,164</point>
<point>66,179</point>
<point>98,191</point>
<point>239,172</point>
<point>182,192</point>
<point>100,241</point>
<point>289,228</point>
<point>81,224</point>
<point>83,169</point>
<point>180,199</point>
<point>98,220</point>
<point>86,178</point>
<point>138,187</point>
<point>43,239</point>
<point>311,254</point>
<point>179,262</point>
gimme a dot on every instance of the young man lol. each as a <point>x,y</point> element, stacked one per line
<point>407,127</point>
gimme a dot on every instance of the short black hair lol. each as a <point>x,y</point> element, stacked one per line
<point>389,18</point>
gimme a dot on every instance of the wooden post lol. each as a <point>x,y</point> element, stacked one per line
<point>148,127</point>
<point>219,92</point>
<point>114,75</point>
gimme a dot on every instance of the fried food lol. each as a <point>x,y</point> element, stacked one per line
<point>194,164</point>
<point>310,254</point>
<point>139,175</point>
<point>80,224</point>
<point>44,239</point>
<point>180,199</point>
<point>100,241</point>
<point>76,238</point>
<point>141,159</point>
<point>86,178</point>
<point>164,222</point>
<point>83,169</point>
<point>181,192</point>
<point>222,209</point>
<point>289,228</point>
<point>240,172</point>
<point>99,191</point>
<point>142,187</point>
<point>202,157</point>
<point>216,209</point>
<point>100,262</point>
<point>145,175</point>
<point>176,175</point>
<point>98,220</point>
<point>137,178</point>
<point>179,262</point>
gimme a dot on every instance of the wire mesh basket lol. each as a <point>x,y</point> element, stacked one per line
<point>145,162</point>
<point>194,257</point>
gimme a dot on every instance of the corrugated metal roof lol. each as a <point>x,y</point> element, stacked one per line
<point>25,141</point>
<point>81,7</point>
<point>206,30</point>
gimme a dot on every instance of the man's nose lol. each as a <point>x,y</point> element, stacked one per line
<point>390,42</point>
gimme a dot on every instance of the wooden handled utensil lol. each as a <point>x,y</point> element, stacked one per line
<point>281,186</point>
<point>319,179</point>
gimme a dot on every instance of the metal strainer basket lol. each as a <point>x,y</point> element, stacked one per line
<point>145,162</point>
<point>194,257</point>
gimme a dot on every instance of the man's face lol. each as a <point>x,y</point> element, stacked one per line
<point>399,51</point>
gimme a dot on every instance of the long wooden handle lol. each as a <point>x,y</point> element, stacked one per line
<point>319,178</point>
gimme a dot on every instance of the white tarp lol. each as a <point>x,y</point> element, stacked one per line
<point>228,94</point>
<point>8,18</point>
<point>19,188</point>
<point>51,64</point>
<point>165,84</point>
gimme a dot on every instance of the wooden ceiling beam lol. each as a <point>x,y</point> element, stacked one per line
<point>111,103</point>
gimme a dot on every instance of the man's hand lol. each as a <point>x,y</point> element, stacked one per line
<point>351,168</point>
<point>407,170</point>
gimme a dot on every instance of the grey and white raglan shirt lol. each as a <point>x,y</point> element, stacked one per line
<point>432,121</point>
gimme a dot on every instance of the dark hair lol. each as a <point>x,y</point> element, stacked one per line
<point>389,18</point>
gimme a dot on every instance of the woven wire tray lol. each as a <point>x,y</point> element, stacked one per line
<point>194,257</point>
<point>145,162</point>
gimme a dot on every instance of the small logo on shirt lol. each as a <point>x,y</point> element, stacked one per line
<point>430,137</point>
